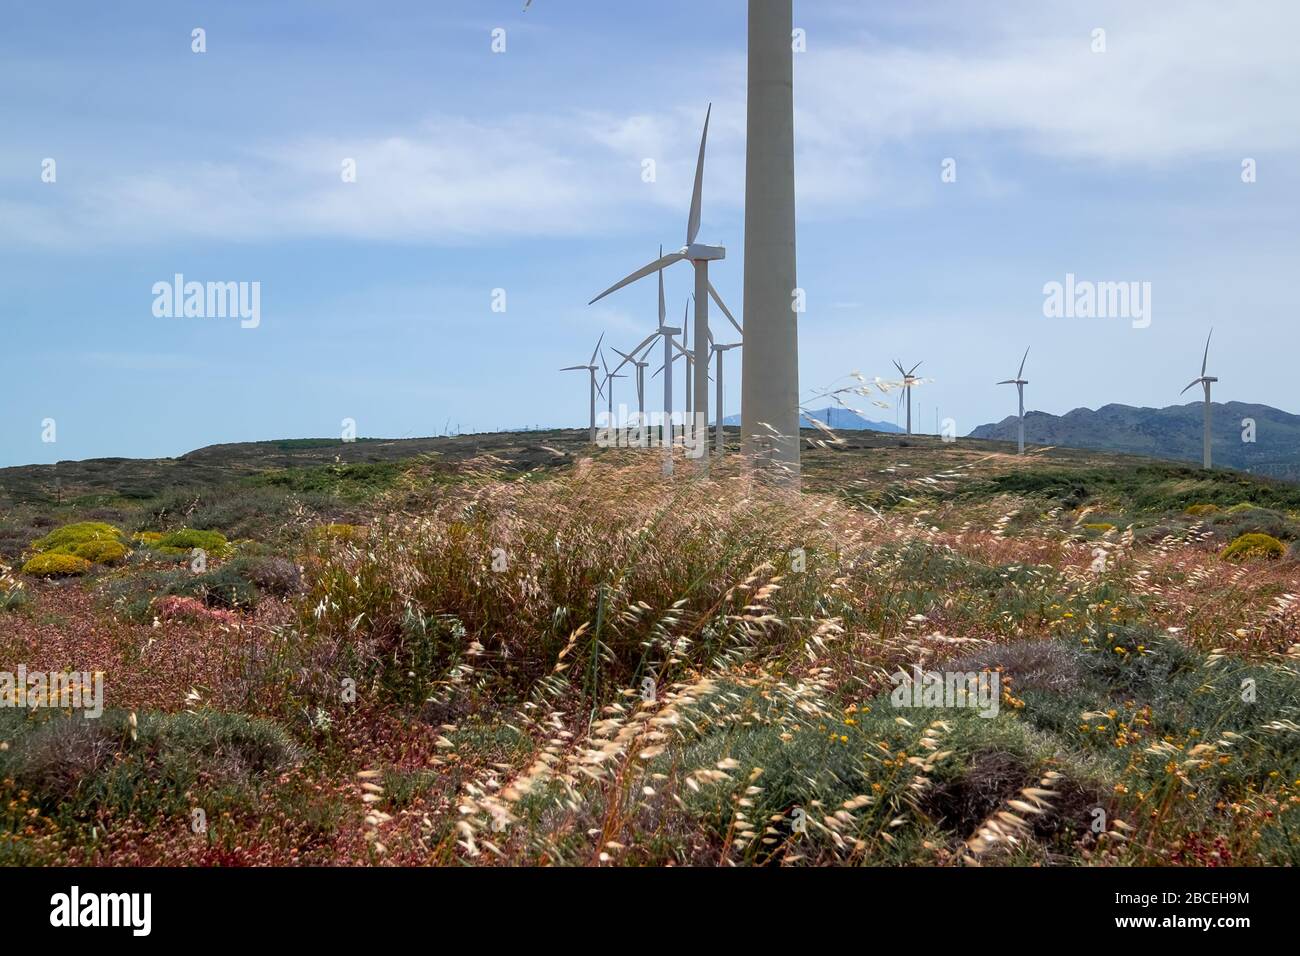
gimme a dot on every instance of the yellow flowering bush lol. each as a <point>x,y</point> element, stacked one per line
<point>101,552</point>
<point>67,539</point>
<point>1254,545</point>
<point>56,565</point>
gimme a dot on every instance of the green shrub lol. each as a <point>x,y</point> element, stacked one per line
<point>82,768</point>
<point>56,566</point>
<point>132,597</point>
<point>101,552</point>
<point>65,540</point>
<point>1101,527</point>
<point>1232,525</point>
<point>12,593</point>
<point>1200,511</point>
<point>187,539</point>
<point>227,588</point>
<point>275,575</point>
<point>1254,546</point>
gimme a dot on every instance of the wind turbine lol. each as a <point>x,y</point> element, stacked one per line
<point>699,256</point>
<point>719,350</point>
<point>909,380</point>
<point>609,383</point>
<point>1019,382</point>
<point>1207,381</point>
<point>639,363</point>
<point>591,368</point>
<point>666,332</point>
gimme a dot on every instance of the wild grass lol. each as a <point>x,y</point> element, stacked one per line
<point>598,666</point>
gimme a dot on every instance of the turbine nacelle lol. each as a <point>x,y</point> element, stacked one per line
<point>699,252</point>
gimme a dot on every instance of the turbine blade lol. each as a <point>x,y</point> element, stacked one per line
<point>1206,361</point>
<point>1021,373</point>
<point>597,349</point>
<point>697,197</point>
<point>899,365</point>
<point>1009,381</point>
<point>574,368</point>
<point>723,306</point>
<point>655,266</point>
<point>1185,391</point>
<point>915,367</point>
<point>626,359</point>
<point>649,340</point>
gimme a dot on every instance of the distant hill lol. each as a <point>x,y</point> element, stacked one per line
<point>1173,433</point>
<point>840,419</point>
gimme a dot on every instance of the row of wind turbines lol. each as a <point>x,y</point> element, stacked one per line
<point>770,385</point>
<point>770,410</point>
<point>706,348</point>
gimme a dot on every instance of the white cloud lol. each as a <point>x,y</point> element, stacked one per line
<point>1176,84</point>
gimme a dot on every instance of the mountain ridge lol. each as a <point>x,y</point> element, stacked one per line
<point>1172,432</point>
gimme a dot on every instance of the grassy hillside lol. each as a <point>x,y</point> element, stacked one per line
<point>510,649</point>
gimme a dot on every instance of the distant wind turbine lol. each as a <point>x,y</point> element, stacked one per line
<point>666,332</point>
<point>1207,381</point>
<point>699,255</point>
<point>909,380</point>
<point>609,385</point>
<point>1019,382</point>
<point>591,368</point>
<point>719,351</point>
<point>639,363</point>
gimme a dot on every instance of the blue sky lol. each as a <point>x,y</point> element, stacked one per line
<point>522,171</point>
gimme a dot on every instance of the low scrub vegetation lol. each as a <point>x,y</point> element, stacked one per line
<point>587,664</point>
<point>1254,545</point>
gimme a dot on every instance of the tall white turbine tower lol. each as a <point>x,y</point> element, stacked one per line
<point>591,368</point>
<point>1020,382</point>
<point>770,381</point>
<point>909,380</point>
<point>699,256</point>
<point>1207,381</point>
